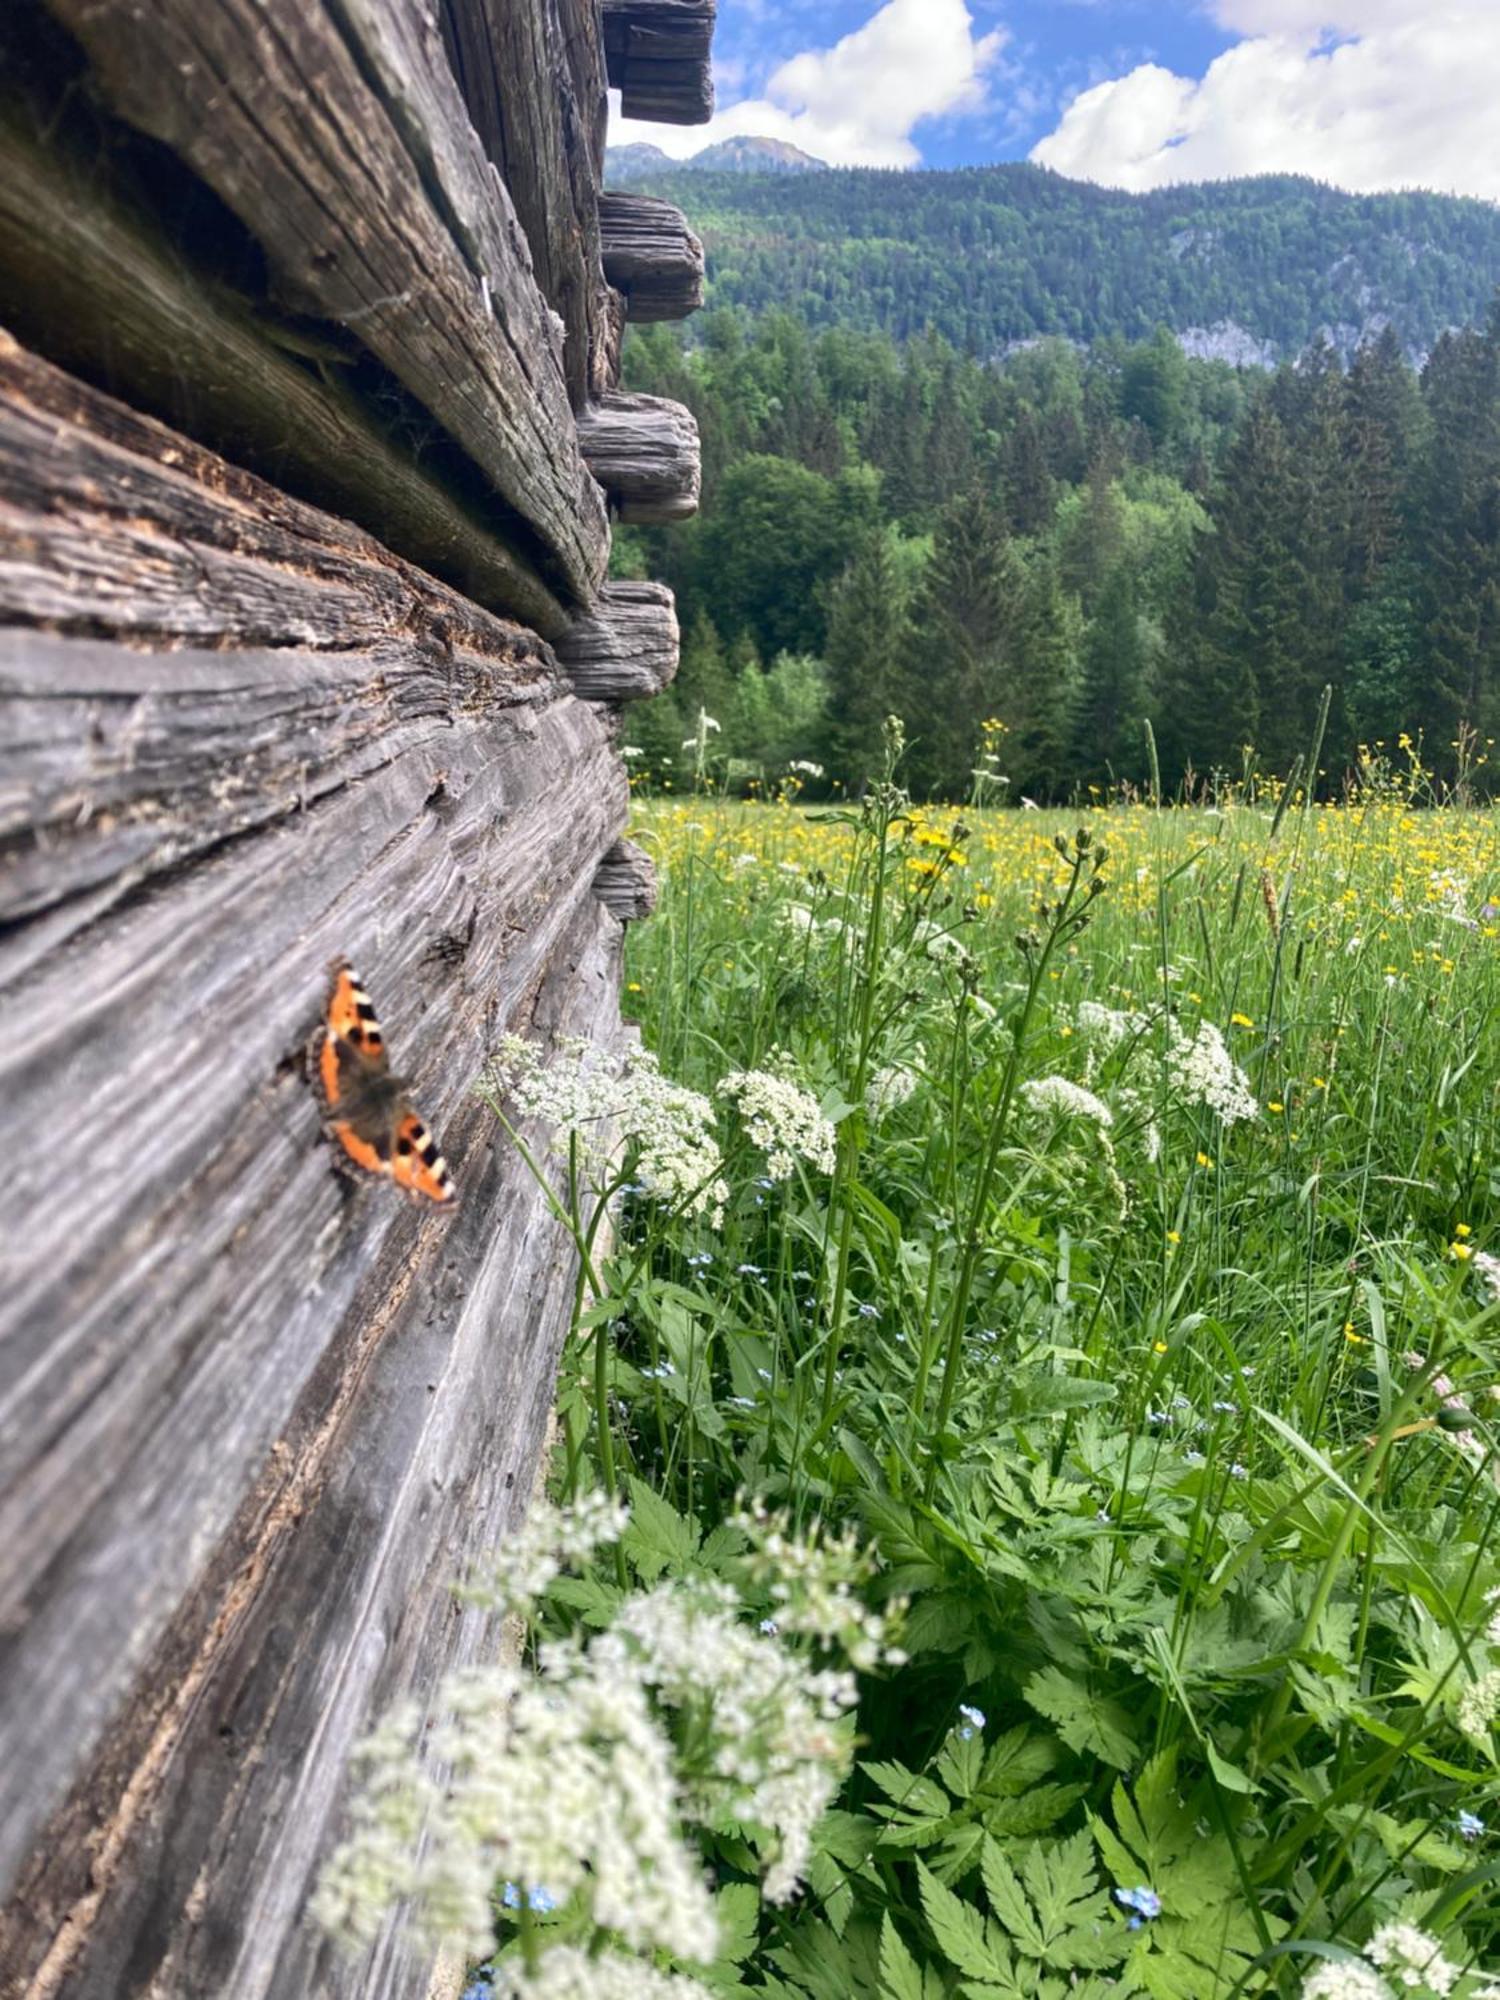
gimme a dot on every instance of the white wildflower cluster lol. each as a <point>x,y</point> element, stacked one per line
<point>771,1746</point>
<point>1109,1025</point>
<point>677,1156</point>
<point>1486,1269</point>
<point>565,1972</point>
<point>812,1580</point>
<point>564,1782</point>
<point>1412,1959</point>
<point>1202,1071</point>
<point>1345,1979</point>
<point>887,1090</point>
<point>1063,1099</point>
<point>516,1576</point>
<point>608,1097</point>
<point>568,1783</point>
<point>1409,1959</point>
<point>782,1118</point>
<point>1479,1704</point>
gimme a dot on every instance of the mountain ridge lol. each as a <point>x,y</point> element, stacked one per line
<point>1248,271</point>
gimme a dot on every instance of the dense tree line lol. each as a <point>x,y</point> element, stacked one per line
<point>989,256</point>
<point>1071,543</point>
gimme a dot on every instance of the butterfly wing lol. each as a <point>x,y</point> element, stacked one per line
<point>416,1163</point>
<point>367,1113</point>
<point>352,1053</point>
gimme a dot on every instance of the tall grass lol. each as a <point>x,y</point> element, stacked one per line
<point>1096,1216</point>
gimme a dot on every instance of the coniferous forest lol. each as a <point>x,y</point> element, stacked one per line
<point>1068,542</point>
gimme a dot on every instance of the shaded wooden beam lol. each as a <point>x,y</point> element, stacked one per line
<point>339,139</point>
<point>626,882</point>
<point>627,648</point>
<point>253,1415</point>
<point>111,298</point>
<point>644,452</point>
<point>659,57</point>
<point>651,257</point>
<point>542,121</point>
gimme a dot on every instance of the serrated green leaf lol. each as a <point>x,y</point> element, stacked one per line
<point>1086,1721</point>
<point>960,1763</point>
<point>1008,1901</point>
<point>1040,1394</point>
<point>909,1790</point>
<point>657,1538</point>
<point>1019,1759</point>
<point>737,1908</point>
<point>901,1977</point>
<point>960,1932</point>
<point>1034,1812</point>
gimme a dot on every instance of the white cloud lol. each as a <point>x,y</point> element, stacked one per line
<point>1367,94</point>
<point>856,104</point>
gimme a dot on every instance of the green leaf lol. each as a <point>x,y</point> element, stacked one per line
<point>1230,1776</point>
<point>901,1977</point>
<point>960,1932</point>
<point>1008,1901</point>
<point>1086,1722</point>
<point>737,1908</point>
<point>1040,1394</point>
<point>909,1789</point>
<point>657,1538</point>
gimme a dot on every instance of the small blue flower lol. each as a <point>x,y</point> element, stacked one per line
<point>541,1900</point>
<point>770,1628</point>
<point>973,1720</point>
<point>749,1271</point>
<point>868,1312</point>
<point>1470,1825</point>
<point>701,1259</point>
<point>1143,1902</point>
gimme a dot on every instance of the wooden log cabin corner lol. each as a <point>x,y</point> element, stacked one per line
<point>308,449</point>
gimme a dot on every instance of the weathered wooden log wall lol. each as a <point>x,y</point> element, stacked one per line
<point>310,439</point>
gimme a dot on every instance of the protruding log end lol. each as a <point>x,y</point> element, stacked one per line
<point>658,55</point>
<point>626,882</point>
<point>644,452</point>
<point>651,257</point>
<point>626,648</point>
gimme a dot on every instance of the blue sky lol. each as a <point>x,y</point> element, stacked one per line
<point>1055,49</point>
<point>1367,94</point>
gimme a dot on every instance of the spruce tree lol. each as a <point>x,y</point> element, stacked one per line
<point>1110,699</point>
<point>867,654</point>
<point>1458,538</point>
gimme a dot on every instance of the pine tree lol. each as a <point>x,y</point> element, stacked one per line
<point>1110,699</point>
<point>1458,538</point>
<point>704,680</point>
<point>965,617</point>
<point>868,643</point>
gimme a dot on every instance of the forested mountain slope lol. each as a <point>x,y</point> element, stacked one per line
<point>1245,271</point>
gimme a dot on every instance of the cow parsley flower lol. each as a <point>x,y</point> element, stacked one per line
<point>1066,1100</point>
<point>887,1090</point>
<point>1202,1071</point>
<point>585,1774</point>
<point>782,1118</point>
<point>1345,1979</point>
<point>565,1972</point>
<point>1412,1958</point>
<point>1486,1269</point>
<point>518,1574</point>
<point>1479,1704</point>
<point>1109,1025</point>
<point>605,1098</point>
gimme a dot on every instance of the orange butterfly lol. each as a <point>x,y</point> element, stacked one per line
<point>367,1109</point>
